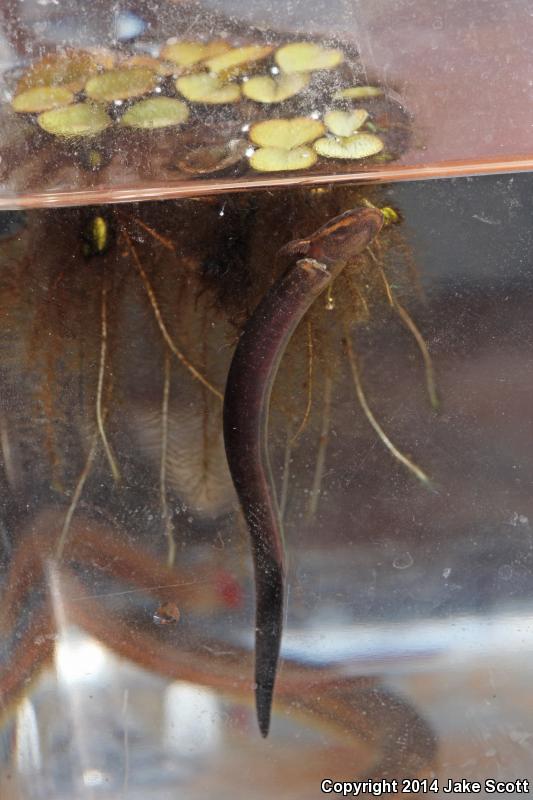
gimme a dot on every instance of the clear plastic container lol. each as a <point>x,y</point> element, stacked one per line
<point>126,666</point>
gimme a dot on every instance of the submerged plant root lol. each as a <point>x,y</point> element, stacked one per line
<point>141,335</point>
<point>180,270</point>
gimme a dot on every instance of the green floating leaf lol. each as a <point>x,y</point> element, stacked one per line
<point>206,88</point>
<point>361,145</point>
<point>307,57</point>
<point>120,84</point>
<point>42,98</point>
<point>265,89</point>
<point>156,112</point>
<point>286,133</point>
<point>278,159</point>
<point>81,119</point>
<point>68,68</point>
<point>358,93</point>
<point>345,123</point>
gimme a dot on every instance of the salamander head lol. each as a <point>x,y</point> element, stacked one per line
<point>298,247</point>
<point>345,236</point>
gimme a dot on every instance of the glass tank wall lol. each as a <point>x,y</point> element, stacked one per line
<point>451,81</point>
<point>400,423</point>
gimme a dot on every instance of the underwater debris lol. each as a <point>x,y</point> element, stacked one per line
<point>167,614</point>
<point>215,158</point>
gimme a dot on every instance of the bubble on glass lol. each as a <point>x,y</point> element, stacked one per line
<point>128,26</point>
<point>518,519</point>
<point>505,572</point>
<point>93,777</point>
<point>403,561</point>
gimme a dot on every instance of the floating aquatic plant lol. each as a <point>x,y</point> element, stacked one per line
<point>360,145</point>
<point>358,93</point>
<point>80,119</point>
<point>307,57</point>
<point>120,84</point>
<point>286,133</point>
<point>206,88</point>
<point>216,72</point>
<point>156,112</point>
<point>274,89</point>
<point>345,123</point>
<point>42,98</point>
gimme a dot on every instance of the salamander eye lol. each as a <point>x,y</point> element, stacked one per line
<point>11,224</point>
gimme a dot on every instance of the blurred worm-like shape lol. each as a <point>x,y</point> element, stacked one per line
<point>246,409</point>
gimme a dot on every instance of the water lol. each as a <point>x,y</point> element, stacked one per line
<point>409,628</point>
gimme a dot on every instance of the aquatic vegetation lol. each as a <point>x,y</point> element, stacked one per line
<point>307,57</point>
<point>248,80</point>
<point>360,145</point>
<point>275,89</point>
<point>280,159</point>
<point>345,123</point>
<point>120,84</point>
<point>140,330</point>
<point>42,98</point>
<point>80,119</point>
<point>358,93</point>
<point>156,112</point>
<point>286,133</point>
<point>204,87</point>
